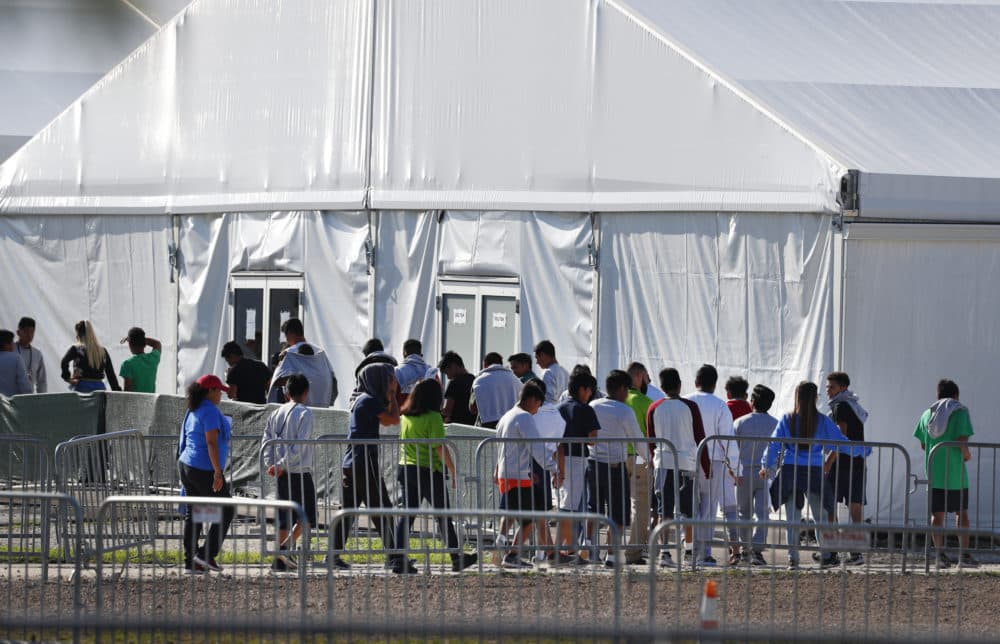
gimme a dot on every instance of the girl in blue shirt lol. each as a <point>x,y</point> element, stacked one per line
<point>803,466</point>
<point>201,460</point>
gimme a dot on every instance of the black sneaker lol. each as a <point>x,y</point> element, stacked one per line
<point>512,561</point>
<point>278,565</point>
<point>856,559</point>
<point>708,562</point>
<point>404,567</point>
<point>829,561</point>
<point>338,563</point>
<point>193,568</point>
<point>463,561</point>
<point>967,561</point>
<point>757,559</point>
<point>942,561</point>
<point>208,564</point>
<point>286,560</point>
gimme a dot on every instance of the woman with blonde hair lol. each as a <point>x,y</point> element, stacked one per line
<point>91,362</point>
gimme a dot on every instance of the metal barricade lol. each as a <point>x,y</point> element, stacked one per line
<point>328,475</point>
<point>977,499</point>
<point>240,472</point>
<point>31,559</point>
<point>883,598</point>
<point>92,468</point>
<point>603,485</point>
<point>421,586</point>
<point>24,464</point>
<point>130,591</point>
<point>880,467</point>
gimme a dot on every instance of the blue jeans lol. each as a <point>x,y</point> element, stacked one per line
<point>794,517</point>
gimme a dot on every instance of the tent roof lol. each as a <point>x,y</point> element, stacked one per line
<point>563,105</point>
<point>51,51</point>
<point>908,92</point>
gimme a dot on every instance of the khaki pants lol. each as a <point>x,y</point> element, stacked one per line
<point>638,537</point>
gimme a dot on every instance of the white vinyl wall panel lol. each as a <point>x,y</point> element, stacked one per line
<point>547,252</point>
<point>327,247</point>
<point>749,293</point>
<point>113,271</point>
<point>921,305</point>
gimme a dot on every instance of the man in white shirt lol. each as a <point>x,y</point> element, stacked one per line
<point>556,378</point>
<point>611,462</point>
<point>30,356</point>
<point>720,488</point>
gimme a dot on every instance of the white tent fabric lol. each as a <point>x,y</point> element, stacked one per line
<point>907,92</point>
<point>420,249</point>
<point>110,270</point>
<point>331,245</point>
<point>579,107</point>
<point>226,107</point>
<point>750,293</point>
<point>479,108</point>
<point>52,51</point>
<point>921,305</point>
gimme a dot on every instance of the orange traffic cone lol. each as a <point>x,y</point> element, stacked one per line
<point>709,604</point>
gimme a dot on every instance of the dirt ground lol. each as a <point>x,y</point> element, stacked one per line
<point>859,603</point>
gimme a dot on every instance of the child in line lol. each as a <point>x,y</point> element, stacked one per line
<point>291,464</point>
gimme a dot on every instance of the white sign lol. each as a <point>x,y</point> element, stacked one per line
<point>285,315</point>
<point>251,324</point>
<point>458,317</point>
<point>499,320</point>
<point>844,540</point>
<point>206,513</point>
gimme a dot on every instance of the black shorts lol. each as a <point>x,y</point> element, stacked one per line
<point>300,489</point>
<point>949,500</point>
<point>526,499</point>
<point>543,490</point>
<point>847,478</point>
<point>664,485</point>
<point>610,493</point>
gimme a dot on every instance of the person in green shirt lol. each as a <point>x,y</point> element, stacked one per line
<point>139,371</point>
<point>947,421</point>
<point>640,489</point>
<point>420,473</point>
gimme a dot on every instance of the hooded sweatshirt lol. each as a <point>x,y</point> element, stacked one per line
<point>316,368</point>
<point>851,399</point>
<point>941,411</point>
<point>373,392</point>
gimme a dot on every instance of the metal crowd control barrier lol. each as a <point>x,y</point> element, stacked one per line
<point>24,463</point>
<point>979,476</point>
<point>92,468</point>
<point>423,587</point>
<point>880,599</point>
<point>886,471</point>
<point>31,560</point>
<point>162,459</point>
<point>602,485</point>
<point>129,590</point>
<point>328,474</point>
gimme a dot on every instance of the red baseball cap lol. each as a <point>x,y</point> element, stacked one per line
<point>211,381</point>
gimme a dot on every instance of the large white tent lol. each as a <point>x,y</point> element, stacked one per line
<point>51,51</point>
<point>669,181</point>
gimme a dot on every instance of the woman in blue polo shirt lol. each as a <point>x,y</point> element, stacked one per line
<point>201,460</point>
<point>803,466</point>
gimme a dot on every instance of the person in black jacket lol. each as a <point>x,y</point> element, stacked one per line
<point>91,362</point>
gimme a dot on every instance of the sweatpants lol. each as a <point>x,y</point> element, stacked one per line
<point>638,536</point>
<point>423,484</point>
<point>753,499</point>
<point>363,484</point>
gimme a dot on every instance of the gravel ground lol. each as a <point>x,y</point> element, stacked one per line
<point>860,601</point>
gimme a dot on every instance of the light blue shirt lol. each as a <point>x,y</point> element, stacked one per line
<point>809,456</point>
<point>193,447</point>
